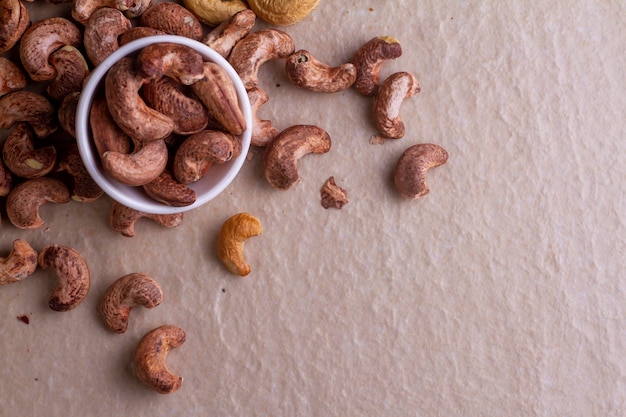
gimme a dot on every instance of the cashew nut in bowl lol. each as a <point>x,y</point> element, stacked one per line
<point>233,234</point>
<point>369,58</point>
<point>199,152</point>
<point>102,31</point>
<point>14,21</point>
<point>143,165</point>
<point>21,157</point>
<point>123,219</point>
<point>388,100</point>
<point>282,154</point>
<point>12,78</point>
<point>151,354</point>
<point>106,134</point>
<point>173,19</point>
<point>410,172</point>
<point>178,61</point>
<point>225,36</point>
<point>167,190</point>
<point>304,70</point>
<point>24,200</point>
<point>127,292</point>
<point>19,264</point>
<point>83,9</point>
<point>67,113</point>
<point>27,106</point>
<point>73,275</point>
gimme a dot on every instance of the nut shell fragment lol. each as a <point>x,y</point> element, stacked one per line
<point>388,101</point>
<point>123,219</point>
<point>307,72</point>
<point>24,200</point>
<point>369,58</point>
<point>333,195</point>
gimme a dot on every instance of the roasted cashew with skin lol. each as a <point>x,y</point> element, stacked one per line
<point>150,357</point>
<point>21,157</point>
<point>67,113</point>
<point>24,200</point>
<point>123,219</point>
<point>106,134</point>
<point>369,58</point>
<point>84,189</point>
<point>233,234</point>
<point>14,20</point>
<point>263,131</point>
<point>27,106</point>
<point>102,31</point>
<point>6,180</point>
<point>307,72</point>
<point>73,275</point>
<point>12,78</point>
<point>83,9</point>
<point>139,167</point>
<point>127,292</point>
<point>410,172</point>
<point>19,264</point>
<point>388,100</point>
<point>199,152</point>
<point>173,19</point>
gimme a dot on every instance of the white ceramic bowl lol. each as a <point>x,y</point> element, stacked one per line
<point>218,176</point>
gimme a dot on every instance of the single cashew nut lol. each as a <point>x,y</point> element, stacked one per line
<point>178,61</point>
<point>19,264</point>
<point>84,189</point>
<point>136,289</point>
<point>304,70</point>
<point>24,200</point>
<point>369,58</point>
<point>26,106</point>
<point>123,219</point>
<point>43,38</point>
<point>233,234</point>
<point>214,12</point>
<point>138,32</point>
<point>83,9</point>
<point>282,154</point>
<point>14,20</point>
<point>102,31</point>
<point>283,12</point>
<point>71,68</point>
<point>172,18</point>
<point>410,172</point>
<point>167,190</point>
<point>143,165</point>
<point>225,36</point>
<point>388,100</point>
<point>199,152</point>
<point>263,131</point>
<point>72,272</point>
<point>255,49</point>
<point>150,357</point>
<point>21,157</point>
<point>12,78</point>
<point>106,134</point>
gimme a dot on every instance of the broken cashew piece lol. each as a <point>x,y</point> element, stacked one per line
<point>234,233</point>
<point>369,58</point>
<point>223,38</point>
<point>123,219</point>
<point>388,100</point>
<point>304,70</point>
<point>24,200</point>
<point>84,189</point>
<point>333,195</point>
<point>150,357</point>
<point>410,172</point>
<point>72,272</point>
<point>19,264</point>
<point>282,154</point>
<point>129,291</point>
<point>14,20</point>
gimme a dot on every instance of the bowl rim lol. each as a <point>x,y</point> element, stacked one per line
<point>121,192</point>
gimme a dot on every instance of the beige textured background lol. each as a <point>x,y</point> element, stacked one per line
<point>499,293</point>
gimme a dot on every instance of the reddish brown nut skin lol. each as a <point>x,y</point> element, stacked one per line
<point>263,131</point>
<point>12,78</point>
<point>410,172</point>
<point>167,190</point>
<point>138,32</point>
<point>173,19</point>
<point>102,32</point>
<point>73,274</point>
<point>388,100</point>
<point>180,62</point>
<point>21,156</point>
<point>106,134</point>
<point>123,219</point>
<point>19,264</point>
<point>83,188</point>
<point>14,20</point>
<point>150,358</point>
<point>24,200</point>
<point>307,72</point>
<point>199,152</point>
<point>369,58</point>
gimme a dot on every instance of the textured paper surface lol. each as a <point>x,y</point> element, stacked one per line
<point>499,293</point>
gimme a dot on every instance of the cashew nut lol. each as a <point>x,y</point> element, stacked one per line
<point>83,9</point>
<point>43,38</point>
<point>84,189</point>
<point>14,21</point>
<point>333,195</point>
<point>282,154</point>
<point>173,19</point>
<point>175,60</point>
<point>106,134</point>
<point>388,100</point>
<point>26,106</point>
<point>233,234</point>
<point>6,180</point>
<point>130,112</point>
<point>150,357</point>
<point>167,190</point>
<point>225,36</point>
<point>73,274</point>
<point>24,200</point>
<point>123,219</point>
<point>282,12</point>
<point>135,289</point>
<point>72,69</point>
<point>19,264</point>
<point>218,93</point>
<point>410,172</point>
<point>214,12</point>
<point>67,113</point>
<point>369,58</point>
<point>102,30</point>
<point>255,49</point>
<point>12,77</point>
<point>137,33</point>
<point>199,152</point>
<point>143,165</point>
<point>263,132</point>
<point>304,70</point>
<point>21,157</point>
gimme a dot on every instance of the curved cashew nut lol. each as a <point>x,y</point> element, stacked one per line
<point>388,100</point>
<point>136,289</point>
<point>84,188</point>
<point>21,157</point>
<point>72,272</point>
<point>106,134</point>
<point>369,58</point>
<point>83,9</point>
<point>67,113</point>
<point>282,154</point>
<point>304,70</point>
<point>225,36</point>
<point>263,132</point>
<point>102,30</point>
<point>233,234</point>
<point>410,172</point>
<point>218,93</point>
<point>150,357</point>
<point>172,18</point>
<point>19,264</point>
<point>130,112</point>
<point>255,49</point>
<point>72,69</point>
<point>182,63</point>
<point>24,200</point>
<point>138,32</point>
<point>14,21</point>
<point>26,106</point>
<point>6,180</point>
<point>43,38</point>
<point>123,219</point>
<point>214,12</point>
<point>143,165</point>
<point>12,77</point>
<point>165,189</point>
<point>199,152</point>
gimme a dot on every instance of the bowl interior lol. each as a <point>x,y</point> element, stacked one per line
<point>218,177</point>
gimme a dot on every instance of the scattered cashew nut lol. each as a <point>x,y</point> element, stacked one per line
<point>225,36</point>
<point>233,234</point>
<point>24,200</point>
<point>127,292</point>
<point>21,157</point>
<point>6,180</point>
<point>123,219</point>
<point>333,195</point>
<point>20,263</point>
<point>172,18</point>
<point>304,70</point>
<point>369,58</point>
<point>388,100</point>
<point>410,172</point>
<point>84,189</point>
<point>102,31</point>
<point>67,113</point>
<point>72,272</point>
<point>27,106</point>
<point>263,131</point>
<point>150,357</point>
